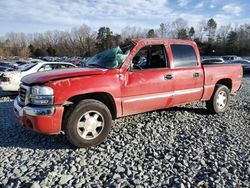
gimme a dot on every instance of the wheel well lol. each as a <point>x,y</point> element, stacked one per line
<point>227,82</point>
<point>103,97</point>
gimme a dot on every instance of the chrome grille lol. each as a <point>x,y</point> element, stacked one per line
<point>23,94</point>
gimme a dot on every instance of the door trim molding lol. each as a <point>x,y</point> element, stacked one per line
<point>161,95</point>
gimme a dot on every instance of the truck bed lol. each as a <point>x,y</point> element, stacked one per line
<point>215,73</point>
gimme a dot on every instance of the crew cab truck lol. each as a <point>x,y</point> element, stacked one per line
<point>141,76</point>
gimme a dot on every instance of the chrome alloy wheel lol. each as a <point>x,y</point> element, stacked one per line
<point>221,100</point>
<point>90,125</point>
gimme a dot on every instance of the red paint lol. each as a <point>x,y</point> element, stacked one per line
<point>44,124</point>
<point>46,76</point>
<point>133,92</point>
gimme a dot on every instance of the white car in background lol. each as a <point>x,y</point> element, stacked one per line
<point>5,69</point>
<point>10,81</point>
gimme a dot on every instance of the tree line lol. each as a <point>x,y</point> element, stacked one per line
<point>82,41</point>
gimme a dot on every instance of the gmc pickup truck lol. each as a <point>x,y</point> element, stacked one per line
<point>141,76</point>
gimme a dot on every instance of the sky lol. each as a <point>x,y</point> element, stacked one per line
<point>31,16</point>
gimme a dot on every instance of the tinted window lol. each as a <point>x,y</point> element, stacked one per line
<point>61,66</point>
<point>183,55</point>
<point>56,66</point>
<point>150,57</point>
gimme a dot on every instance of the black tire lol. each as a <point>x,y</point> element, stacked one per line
<point>77,135</point>
<point>213,105</point>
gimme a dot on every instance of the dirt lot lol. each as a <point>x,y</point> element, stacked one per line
<point>178,147</point>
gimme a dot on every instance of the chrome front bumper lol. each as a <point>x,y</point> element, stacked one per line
<point>32,111</point>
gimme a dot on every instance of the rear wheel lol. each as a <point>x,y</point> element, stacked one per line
<point>220,100</point>
<point>88,124</point>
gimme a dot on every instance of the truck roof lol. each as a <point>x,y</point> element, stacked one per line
<point>161,40</point>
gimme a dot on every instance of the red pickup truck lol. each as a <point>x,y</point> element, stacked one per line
<point>143,75</point>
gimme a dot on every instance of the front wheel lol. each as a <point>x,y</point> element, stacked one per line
<point>220,100</point>
<point>88,124</point>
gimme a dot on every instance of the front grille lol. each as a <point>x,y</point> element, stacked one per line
<point>23,94</point>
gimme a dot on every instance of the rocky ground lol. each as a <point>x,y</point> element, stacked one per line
<point>178,147</point>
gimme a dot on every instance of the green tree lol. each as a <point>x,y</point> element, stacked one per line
<point>162,30</point>
<point>40,52</point>
<point>32,50</point>
<point>151,34</point>
<point>117,39</point>
<point>191,33</point>
<point>104,38</point>
<point>231,44</point>
<point>211,28</point>
<point>182,34</point>
<point>51,51</point>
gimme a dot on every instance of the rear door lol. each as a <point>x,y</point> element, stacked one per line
<point>187,74</point>
<point>146,87</point>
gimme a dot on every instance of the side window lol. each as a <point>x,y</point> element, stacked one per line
<point>56,66</point>
<point>45,68</point>
<point>150,57</point>
<point>184,55</point>
<point>64,66</point>
<point>69,66</point>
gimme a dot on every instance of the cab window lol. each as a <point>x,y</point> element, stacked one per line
<point>150,57</point>
<point>183,55</point>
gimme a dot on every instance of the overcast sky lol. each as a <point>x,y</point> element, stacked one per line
<point>30,16</point>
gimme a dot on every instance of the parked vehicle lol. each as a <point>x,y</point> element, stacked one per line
<point>245,64</point>
<point>113,84</point>
<point>5,69</point>
<point>3,64</point>
<point>212,61</point>
<point>20,63</point>
<point>228,58</point>
<point>10,81</point>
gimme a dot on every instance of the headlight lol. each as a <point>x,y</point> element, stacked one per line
<point>42,95</point>
<point>42,90</point>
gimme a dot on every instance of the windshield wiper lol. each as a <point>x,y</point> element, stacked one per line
<point>95,65</point>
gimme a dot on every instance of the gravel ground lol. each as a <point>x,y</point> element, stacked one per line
<point>179,147</point>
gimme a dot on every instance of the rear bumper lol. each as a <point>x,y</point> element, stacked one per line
<point>45,120</point>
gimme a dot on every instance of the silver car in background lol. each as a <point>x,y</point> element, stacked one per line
<point>212,61</point>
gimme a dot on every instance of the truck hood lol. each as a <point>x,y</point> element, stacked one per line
<point>42,77</point>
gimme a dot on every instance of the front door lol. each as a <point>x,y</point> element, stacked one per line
<point>146,86</point>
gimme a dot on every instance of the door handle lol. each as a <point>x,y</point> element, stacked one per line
<point>196,75</point>
<point>168,77</point>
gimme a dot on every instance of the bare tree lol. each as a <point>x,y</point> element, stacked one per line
<point>133,32</point>
<point>223,32</point>
<point>179,26</point>
<point>81,41</point>
<point>200,30</point>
